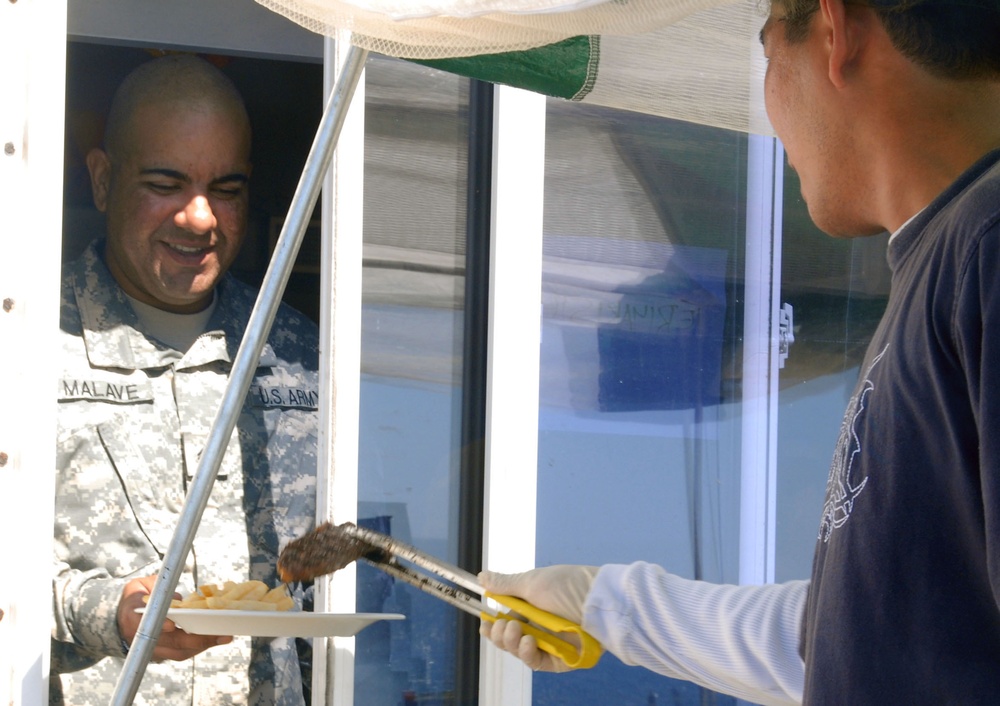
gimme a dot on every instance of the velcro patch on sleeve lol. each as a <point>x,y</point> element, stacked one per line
<point>288,397</point>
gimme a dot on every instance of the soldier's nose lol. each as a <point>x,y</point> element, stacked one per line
<point>197,216</point>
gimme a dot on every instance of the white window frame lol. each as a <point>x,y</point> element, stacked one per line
<point>34,35</point>
<point>32,95</point>
<point>512,402</point>
<point>513,365</point>
<point>512,377</point>
<point>512,431</point>
<point>340,369</point>
<point>762,291</point>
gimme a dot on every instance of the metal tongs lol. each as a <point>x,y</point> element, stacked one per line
<point>466,594</point>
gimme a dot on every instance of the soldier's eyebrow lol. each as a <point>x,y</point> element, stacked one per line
<point>235,177</point>
<point>169,173</point>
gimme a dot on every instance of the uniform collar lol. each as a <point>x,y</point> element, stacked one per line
<point>111,328</point>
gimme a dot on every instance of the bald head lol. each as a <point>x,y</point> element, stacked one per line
<point>172,182</point>
<point>172,83</point>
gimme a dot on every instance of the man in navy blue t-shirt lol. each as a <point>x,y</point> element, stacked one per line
<point>889,110</point>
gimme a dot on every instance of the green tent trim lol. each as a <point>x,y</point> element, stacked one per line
<point>566,69</point>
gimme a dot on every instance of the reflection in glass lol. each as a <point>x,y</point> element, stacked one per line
<point>838,290</point>
<point>639,424</point>
<point>414,231</point>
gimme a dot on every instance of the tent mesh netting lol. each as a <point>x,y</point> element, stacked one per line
<point>693,60</point>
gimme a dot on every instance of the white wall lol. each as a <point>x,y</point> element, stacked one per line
<point>223,26</point>
<point>33,57</point>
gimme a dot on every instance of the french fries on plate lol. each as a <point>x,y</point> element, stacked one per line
<point>247,595</point>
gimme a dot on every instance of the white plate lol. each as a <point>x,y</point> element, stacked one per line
<point>274,623</point>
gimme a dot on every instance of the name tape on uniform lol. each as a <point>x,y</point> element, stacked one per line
<point>105,390</point>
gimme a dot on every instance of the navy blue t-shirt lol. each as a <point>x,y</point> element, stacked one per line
<point>903,603</point>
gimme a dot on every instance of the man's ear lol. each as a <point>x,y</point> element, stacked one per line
<point>844,32</point>
<point>99,166</point>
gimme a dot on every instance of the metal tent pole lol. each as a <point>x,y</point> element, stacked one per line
<point>244,365</point>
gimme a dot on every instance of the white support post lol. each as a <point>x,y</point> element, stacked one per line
<point>513,367</point>
<point>340,373</point>
<point>762,288</point>
<point>32,94</point>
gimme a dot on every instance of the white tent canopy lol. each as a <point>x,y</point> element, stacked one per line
<point>693,60</point>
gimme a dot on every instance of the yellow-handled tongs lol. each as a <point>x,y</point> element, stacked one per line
<point>331,547</point>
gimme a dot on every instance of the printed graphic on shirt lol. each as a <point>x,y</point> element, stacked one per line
<point>842,489</point>
<point>278,396</point>
<point>121,391</point>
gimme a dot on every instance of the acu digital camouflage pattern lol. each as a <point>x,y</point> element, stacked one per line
<point>134,416</point>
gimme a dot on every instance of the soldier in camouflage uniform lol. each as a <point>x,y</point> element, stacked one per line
<point>150,324</point>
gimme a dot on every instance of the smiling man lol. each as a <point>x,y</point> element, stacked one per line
<point>172,183</point>
<point>889,110</point>
<point>150,325</point>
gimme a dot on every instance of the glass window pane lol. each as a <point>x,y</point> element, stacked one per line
<point>838,290</point>
<point>413,288</point>
<point>639,419</point>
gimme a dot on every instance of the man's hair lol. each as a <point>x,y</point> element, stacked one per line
<point>957,39</point>
<point>172,79</point>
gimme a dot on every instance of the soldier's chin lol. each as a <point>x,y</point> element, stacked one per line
<point>185,301</point>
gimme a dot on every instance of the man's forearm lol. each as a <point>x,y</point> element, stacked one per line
<point>738,640</point>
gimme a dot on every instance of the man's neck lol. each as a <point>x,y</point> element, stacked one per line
<point>946,131</point>
<point>179,331</point>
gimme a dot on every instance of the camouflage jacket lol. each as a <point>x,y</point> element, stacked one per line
<point>134,416</point>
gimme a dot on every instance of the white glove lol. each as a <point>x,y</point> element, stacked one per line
<point>560,589</point>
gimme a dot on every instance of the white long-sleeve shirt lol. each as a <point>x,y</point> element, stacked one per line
<point>737,640</point>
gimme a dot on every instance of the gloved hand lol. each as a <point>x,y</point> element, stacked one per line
<point>560,589</point>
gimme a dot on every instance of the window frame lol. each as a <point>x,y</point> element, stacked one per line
<point>762,284</point>
<point>515,276</point>
<point>513,369</point>
<point>33,54</point>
